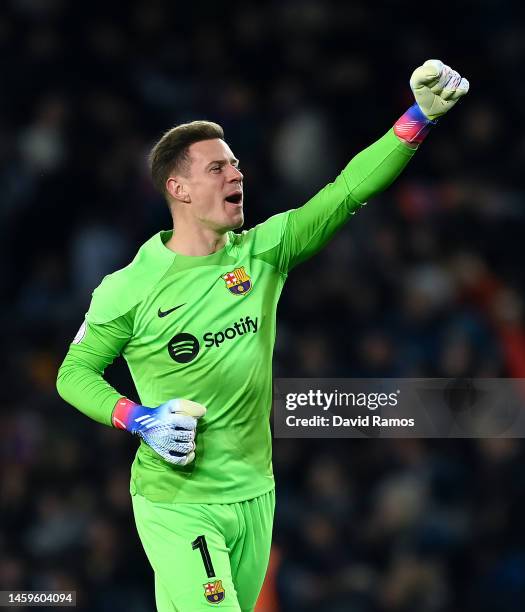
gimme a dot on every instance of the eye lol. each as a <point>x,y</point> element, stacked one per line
<point>216,169</point>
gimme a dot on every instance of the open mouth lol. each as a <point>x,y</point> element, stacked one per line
<point>234,198</point>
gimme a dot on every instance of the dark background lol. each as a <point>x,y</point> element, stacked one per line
<point>427,280</point>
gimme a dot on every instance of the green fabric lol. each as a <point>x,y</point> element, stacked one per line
<point>238,538</point>
<point>232,373</point>
<point>79,379</point>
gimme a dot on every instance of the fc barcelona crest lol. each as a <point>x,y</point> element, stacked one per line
<point>237,281</point>
<point>214,592</point>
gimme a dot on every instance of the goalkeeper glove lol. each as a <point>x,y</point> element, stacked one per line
<point>436,88</point>
<point>169,429</point>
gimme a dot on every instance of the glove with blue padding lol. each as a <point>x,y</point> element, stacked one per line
<point>436,88</point>
<point>169,429</point>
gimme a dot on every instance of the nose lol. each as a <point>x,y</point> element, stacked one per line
<point>235,174</point>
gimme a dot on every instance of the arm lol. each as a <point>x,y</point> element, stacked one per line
<point>80,381</point>
<point>307,229</point>
<point>169,429</point>
<point>310,227</point>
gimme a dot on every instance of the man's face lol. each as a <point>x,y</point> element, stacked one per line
<point>214,185</point>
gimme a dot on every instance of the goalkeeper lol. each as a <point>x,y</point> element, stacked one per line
<point>194,317</point>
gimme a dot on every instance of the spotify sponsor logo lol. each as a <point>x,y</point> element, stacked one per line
<point>184,347</point>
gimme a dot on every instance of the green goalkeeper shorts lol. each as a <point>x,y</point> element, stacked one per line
<point>206,555</point>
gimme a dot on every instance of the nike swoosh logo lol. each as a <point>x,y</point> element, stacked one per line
<point>164,313</point>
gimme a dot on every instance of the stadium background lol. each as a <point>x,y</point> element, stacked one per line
<point>427,280</point>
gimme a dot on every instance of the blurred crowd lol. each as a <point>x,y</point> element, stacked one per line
<point>425,281</point>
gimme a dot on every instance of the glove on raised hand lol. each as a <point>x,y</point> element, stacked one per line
<point>436,88</point>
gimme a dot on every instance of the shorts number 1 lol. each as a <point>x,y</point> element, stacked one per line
<point>200,543</point>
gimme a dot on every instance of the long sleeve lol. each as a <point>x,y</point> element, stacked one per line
<point>80,379</point>
<point>289,238</point>
<point>371,171</point>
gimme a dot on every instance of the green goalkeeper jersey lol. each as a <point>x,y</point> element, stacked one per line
<point>203,328</point>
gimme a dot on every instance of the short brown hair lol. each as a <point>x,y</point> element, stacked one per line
<point>171,151</point>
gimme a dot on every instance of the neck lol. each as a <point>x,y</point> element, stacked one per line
<point>196,241</point>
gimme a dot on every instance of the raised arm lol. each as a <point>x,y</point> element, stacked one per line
<point>307,229</point>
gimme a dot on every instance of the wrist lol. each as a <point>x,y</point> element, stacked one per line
<point>413,126</point>
<point>122,416</point>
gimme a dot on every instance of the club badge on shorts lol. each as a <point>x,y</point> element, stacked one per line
<point>237,281</point>
<point>214,592</point>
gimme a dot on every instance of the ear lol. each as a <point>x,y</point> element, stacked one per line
<point>177,190</point>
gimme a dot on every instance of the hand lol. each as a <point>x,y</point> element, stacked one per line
<point>437,88</point>
<point>169,429</point>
